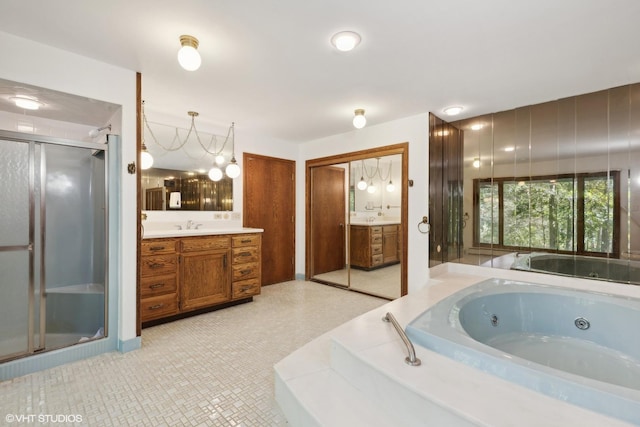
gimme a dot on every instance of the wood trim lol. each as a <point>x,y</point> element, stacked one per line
<point>139,198</point>
<point>388,150</point>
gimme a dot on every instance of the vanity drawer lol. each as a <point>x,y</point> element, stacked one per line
<point>245,288</point>
<point>245,240</point>
<point>376,260</point>
<point>158,285</point>
<point>153,247</point>
<point>245,271</point>
<point>205,244</point>
<point>376,238</point>
<point>244,254</point>
<point>156,307</point>
<point>158,265</point>
<point>376,249</point>
<point>376,230</point>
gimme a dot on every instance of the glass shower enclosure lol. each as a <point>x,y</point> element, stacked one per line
<point>53,243</point>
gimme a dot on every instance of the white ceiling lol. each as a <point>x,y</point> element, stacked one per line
<point>268,65</point>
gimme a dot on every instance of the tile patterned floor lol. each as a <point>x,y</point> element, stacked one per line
<point>215,369</point>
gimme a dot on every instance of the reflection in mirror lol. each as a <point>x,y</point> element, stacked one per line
<point>167,189</point>
<point>374,242</point>
<point>187,168</point>
<point>355,225</point>
<point>555,188</point>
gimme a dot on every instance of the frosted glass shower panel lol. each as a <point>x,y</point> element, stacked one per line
<point>14,207</point>
<point>75,244</point>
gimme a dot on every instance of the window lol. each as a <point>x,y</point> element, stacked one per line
<point>565,213</point>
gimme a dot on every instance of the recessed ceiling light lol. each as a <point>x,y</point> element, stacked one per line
<point>345,41</point>
<point>453,110</point>
<point>476,126</point>
<point>27,102</point>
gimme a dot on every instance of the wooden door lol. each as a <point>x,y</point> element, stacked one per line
<point>269,203</point>
<point>327,219</point>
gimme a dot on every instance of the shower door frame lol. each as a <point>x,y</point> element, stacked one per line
<point>43,141</point>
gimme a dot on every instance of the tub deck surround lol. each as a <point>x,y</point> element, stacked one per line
<point>360,366</point>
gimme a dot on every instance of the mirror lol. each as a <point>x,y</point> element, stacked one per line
<point>555,187</point>
<point>355,233</point>
<point>182,159</point>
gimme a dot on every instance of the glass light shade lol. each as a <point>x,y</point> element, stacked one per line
<point>371,188</point>
<point>188,55</point>
<point>362,184</point>
<point>219,159</point>
<point>359,120</point>
<point>215,174</point>
<point>476,163</point>
<point>146,160</point>
<point>454,110</point>
<point>390,187</point>
<point>346,40</point>
<point>233,170</point>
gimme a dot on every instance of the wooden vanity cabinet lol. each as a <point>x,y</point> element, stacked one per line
<point>158,279</point>
<point>390,244</point>
<point>205,277</point>
<point>373,246</point>
<point>246,275</point>
<point>184,274</point>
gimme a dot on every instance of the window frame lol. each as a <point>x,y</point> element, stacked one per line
<point>579,232</point>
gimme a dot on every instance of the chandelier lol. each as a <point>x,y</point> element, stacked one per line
<point>370,186</point>
<point>210,148</point>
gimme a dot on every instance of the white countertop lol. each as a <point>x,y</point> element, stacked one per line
<point>159,233</point>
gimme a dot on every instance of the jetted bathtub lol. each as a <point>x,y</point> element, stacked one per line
<point>578,346</point>
<point>616,270</point>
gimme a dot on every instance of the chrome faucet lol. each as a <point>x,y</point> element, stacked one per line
<point>189,224</point>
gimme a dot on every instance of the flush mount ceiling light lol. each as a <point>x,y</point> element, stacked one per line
<point>453,111</point>
<point>188,55</point>
<point>359,120</point>
<point>27,102</point>
<point>345,41</point>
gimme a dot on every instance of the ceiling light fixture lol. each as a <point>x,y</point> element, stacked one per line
<point>359,120</point>
<point>188,55</point>
<point>146,159</point>
<point>453,110</point>
<point>476,126</point>
<point>476,163</point>
<point>345,41</point>
<point>27,102</point>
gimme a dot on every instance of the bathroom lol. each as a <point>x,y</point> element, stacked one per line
<point>117,86</point>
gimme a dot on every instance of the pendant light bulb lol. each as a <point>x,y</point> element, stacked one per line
<point>188,55</point>
<point>390,187</point>
<point>219,159</point>
<point>371,188</point>
<point>359,120</point>
<point>233,170</point>
<point>146,159</point>
<point>215,174</point>
<point>362,184</point>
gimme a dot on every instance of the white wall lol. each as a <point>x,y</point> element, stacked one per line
<point>413,130</point>
<point>40,65</point>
